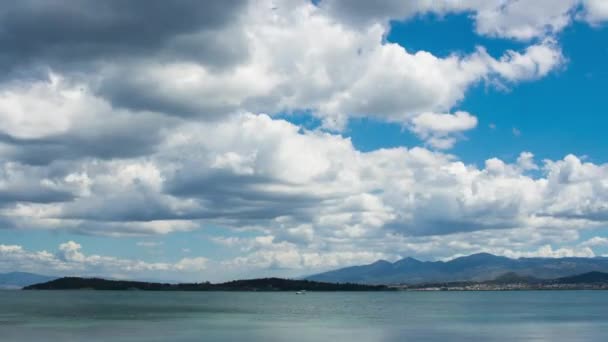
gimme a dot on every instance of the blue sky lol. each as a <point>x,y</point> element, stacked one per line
<point>560,114</point>
<point>285,138</point>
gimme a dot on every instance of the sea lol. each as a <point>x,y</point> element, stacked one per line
<point>315,316</point>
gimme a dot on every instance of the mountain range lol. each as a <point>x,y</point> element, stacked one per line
<point>476,267</point>
<point>17,280</point>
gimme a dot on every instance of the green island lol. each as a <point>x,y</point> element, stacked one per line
<point>263,284</point>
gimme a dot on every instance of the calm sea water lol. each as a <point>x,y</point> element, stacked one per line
<point>219,316</point>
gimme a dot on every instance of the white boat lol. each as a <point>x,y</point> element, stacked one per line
<point>301,292</point>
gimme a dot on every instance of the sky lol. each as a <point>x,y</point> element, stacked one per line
<point>225,139</point>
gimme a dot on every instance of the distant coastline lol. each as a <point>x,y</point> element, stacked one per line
<point>515,282</point>
<point>506,282</point>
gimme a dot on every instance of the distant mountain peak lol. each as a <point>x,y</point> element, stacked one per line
<point>381,262</point>
<point>480,258</point>
<point>483,255</point>
<point>408,260</point>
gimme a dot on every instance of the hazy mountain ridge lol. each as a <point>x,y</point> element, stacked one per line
<point>476,267</point>
<point>17,280</point>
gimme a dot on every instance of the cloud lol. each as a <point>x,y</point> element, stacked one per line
<point>70,260</point>
<point>263,254</point>
<point>50,120</point>
<point>595,241</point>
<point>70,252</point>
<point>516,243</point>
<point>516,131</point>
<point>125,106</point>
<point>526,161</point>
<point>36,193</point>
<point>339,73</point>
<point>595,11</point>
<point>288,256</point>
<point>303,186</point>
<point>67,34</point>
<point>521,20</point>
<point>537,61</point>
<point>438,129</point>
<point>548,252</point>
<point>312,201</point>
<point>337,69</point>
<point>113,131</point>
<point>149,244</point>
<point>577,189</point>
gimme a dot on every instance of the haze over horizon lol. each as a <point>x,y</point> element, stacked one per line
<point>223,139</point>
